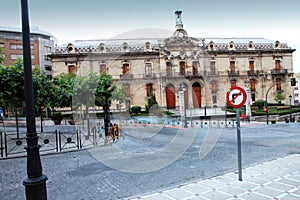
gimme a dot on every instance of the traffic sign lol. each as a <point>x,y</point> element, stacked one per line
<point>236,97</point>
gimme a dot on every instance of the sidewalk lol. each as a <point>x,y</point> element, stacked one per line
<point>278,179</point>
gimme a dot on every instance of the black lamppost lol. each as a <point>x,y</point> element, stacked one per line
<point>35,183</point>
<point>42,108</point>
<point>290,97</point>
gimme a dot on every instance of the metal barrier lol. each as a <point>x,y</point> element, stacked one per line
<point>13,144</point>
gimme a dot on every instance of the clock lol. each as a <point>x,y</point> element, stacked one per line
<point>180,34</point>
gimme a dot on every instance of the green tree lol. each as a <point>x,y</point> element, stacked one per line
<point>84,92</point>
<point>43,89</point>
<point>151,103</point>
<point>104,90</point>
<point>1,57</point>
<point>63,85</point>
<point>12,88</point>
<point>279,97</point>
<point>119,94</point>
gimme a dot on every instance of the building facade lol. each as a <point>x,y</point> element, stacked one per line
<point>205,67</point>
<point>42,44</point>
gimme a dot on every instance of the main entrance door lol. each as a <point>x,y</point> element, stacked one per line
<point>170,96</point>
<point>196,95</point>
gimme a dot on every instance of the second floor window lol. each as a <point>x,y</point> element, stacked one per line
<point>125,68</point>
<point>251,66</point>
<point>232,66</point>
<point>72,70</point>
<point>182,68</point>
<point>212,66</point>
<point>148,69</point>
<point>169,68</point>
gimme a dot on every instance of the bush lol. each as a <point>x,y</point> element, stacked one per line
<point>135,109</point>
<point>260,104</point>
<point>57,118</point>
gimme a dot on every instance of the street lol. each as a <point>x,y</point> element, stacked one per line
<point>151,159</point>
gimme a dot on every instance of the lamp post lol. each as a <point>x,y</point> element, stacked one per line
<point>42,108</point>
<point>182,90</point>
<point>248,101</point>
<point>35,183</point>
<point>290,97</point>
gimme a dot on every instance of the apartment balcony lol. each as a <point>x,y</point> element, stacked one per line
<point>233,73</point>
<point>279,71</point>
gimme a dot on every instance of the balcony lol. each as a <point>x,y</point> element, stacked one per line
<point>193,74</point>
<point>279,71</point>
<point>233,73</point>
<point>153,75</point>
<point>126,76</point>
<point>253,72</point>
<point>211,73</point>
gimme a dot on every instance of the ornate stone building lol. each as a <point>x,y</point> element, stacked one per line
<point>206,67</point>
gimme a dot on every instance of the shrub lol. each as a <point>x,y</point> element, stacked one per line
<point>57,118</point>
<point>135,109</point>
<point>260,104</point>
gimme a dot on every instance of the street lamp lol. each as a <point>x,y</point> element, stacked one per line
<point>290,97</point>
<point>182,90</point>
<point>248,101</point>
<point>42,108</point>
<point>35,183</point>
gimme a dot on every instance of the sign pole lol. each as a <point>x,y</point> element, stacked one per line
<point>239,143</point>
<point>236,97</point>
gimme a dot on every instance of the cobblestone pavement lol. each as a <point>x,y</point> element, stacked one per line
<point>80,175</point>
<point>277,179</point>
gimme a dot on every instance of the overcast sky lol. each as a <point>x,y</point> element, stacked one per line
<point>70,20</point>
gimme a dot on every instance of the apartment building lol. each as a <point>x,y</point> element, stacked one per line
<point>42,44</point>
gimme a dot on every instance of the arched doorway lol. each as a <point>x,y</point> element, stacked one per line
<point>196,95</point>
<point>170,96</point>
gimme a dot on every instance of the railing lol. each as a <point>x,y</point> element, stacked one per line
<point>253,72</point>
<point>152,75</point>
<point>233,73</point>
<point>126,76</point>
<point>66,139</point>
<point>278,71</point>
<point>212,73</point>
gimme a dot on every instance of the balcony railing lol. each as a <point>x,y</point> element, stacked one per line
<point>126,76</point>
<point>211,73</point>
<point>278,71</point>
<point>253,72</point>
<point>152,75</point>
<point>233,73</point>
